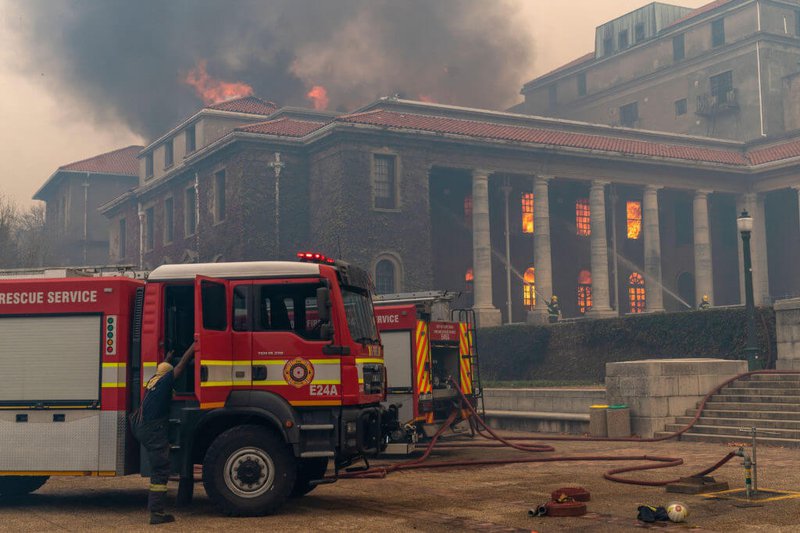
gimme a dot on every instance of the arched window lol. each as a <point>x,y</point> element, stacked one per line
<point>385,277</point>
<point>636,293</point>
<point>584,291</point>
<point>529,288</point>
<point>469,277</point>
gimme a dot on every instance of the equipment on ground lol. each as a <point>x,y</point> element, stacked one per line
<point>677,511</point>
<point>287,379</point>
<point>431,359</point>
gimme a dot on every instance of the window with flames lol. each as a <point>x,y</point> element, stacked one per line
<point>527,212</point>
<point>529,288</point>
<point>636,293</point>
<point>634,212</point>
<point>584,291</point>
<point>469,278</point>
<point>583,218</point>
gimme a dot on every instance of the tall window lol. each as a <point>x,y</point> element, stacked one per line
<point>681,106</point>
<point>190,212</point>
<point>169,219</point>
<point>469,278</point>
<point>385,273</point>
<point>529,288</point>
<point>219,196</point>
<point>468,210</point>
<point>678,48</point>
<point>384,181</point>
<point>191,139</point>
<point>634,214</point>
<point>638,33</point>
<point>527,212</point>
<point>584,291</point>
<point>123,238</point>
<point>608,45</point>
<point>623,39</point>
<point>629,115</point>
<point>149,226</point>
<point>148,165</point>
<point>636,294</point>
<point>583,218</point>
<point>722,87</point>
<point>718,32</point>
<point>582,84</point>
<point>169,154</point>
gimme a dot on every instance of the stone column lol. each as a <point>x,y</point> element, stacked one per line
<point>753,203</point>
<point>542,260</point>
<point>485,313</point>
<point>601,306</point>
<point>652,250</point>
<point>703,266</point>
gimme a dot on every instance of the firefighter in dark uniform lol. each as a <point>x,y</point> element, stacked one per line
<point>704,303</point>
<point>553,310</point>
<point>152,428</point>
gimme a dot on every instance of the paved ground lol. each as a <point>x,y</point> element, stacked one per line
<point>467,499</point>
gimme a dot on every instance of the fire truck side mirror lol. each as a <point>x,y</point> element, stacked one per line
<point>324,305</point>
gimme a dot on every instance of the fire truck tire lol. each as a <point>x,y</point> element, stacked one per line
<point>307,471</point>
<point>248,471</point>
<point>12,486</point>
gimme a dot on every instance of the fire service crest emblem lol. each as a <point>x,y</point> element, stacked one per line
<point>298,372</point>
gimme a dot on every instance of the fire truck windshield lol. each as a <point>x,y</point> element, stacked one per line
<point>360,316</point>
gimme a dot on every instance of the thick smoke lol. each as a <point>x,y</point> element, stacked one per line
<point>128,59</point>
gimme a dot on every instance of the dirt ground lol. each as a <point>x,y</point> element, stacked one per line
<point>493,498</point>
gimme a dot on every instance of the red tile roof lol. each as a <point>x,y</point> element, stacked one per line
<point>285,126</point>
<point>123,161</point>
<point>549,137</point>
<point>786,150</point>
<point>248,104</point>
<point>700,10</point>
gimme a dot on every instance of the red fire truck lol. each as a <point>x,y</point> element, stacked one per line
<point>288,375</point>
<point>430,355</point>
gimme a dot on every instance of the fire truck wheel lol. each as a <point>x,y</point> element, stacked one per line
<point>307,471</point>
<point>248,471</point>
<point>11,486</point>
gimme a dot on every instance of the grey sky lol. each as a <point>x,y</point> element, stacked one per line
<point>44,127</point>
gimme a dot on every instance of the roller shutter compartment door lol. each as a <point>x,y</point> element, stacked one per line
<point>397,358</point>
<point>50,359</point>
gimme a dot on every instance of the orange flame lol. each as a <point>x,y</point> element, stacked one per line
<point>319,95</point>
<point>212,90</point>
<point>634,211</point>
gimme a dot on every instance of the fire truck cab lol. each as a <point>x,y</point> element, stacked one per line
<point>288,376</point>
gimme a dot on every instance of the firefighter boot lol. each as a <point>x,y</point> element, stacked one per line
<point>155,503</point>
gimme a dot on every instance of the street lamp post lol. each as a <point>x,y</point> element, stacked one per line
<point>745,225</point>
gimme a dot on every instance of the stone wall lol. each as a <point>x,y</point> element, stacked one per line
<point>787,329</point>
<point>657,390</point>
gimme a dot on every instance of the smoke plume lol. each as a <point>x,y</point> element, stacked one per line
<point>132,60</point>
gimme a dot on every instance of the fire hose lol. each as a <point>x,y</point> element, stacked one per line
<point>518,443</point>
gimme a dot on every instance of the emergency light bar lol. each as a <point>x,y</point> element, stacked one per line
<point>310,257</point>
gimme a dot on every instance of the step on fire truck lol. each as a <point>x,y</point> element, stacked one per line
<point>288,376</point>
<point>430,354</point>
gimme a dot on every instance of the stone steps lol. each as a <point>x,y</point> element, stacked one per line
<point>769,402</point>
<point>761,391</point>
<point>766,423</point>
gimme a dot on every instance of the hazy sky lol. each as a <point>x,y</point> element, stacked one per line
<point>42,128</point>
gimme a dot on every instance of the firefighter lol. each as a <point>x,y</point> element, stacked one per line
<point>553,310</point>
<point>151,429</point>
<point>704,305</point>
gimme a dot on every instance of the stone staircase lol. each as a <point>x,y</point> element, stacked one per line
<point>769,402</point>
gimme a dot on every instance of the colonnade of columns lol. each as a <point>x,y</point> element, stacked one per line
<point>488,315</point>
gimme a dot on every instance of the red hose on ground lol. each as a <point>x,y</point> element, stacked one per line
<point>514,442</point>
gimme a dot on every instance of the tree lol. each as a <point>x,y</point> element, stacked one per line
<point>23,240</point>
